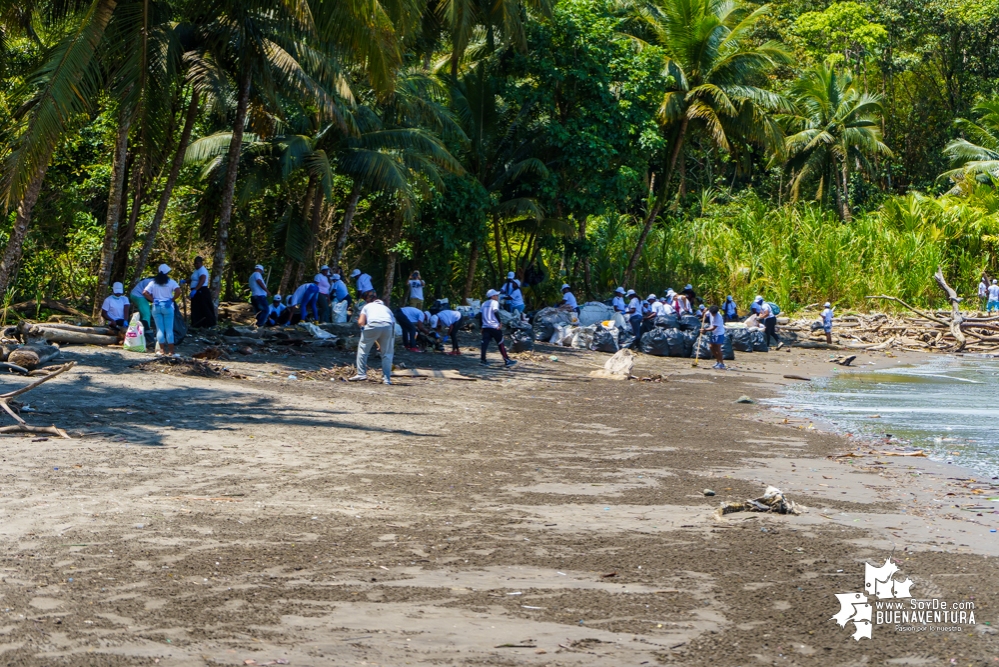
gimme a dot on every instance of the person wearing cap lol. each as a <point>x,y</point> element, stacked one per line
<point>993,303</point>
<point>634,314</point>
<point>162,292</point>
<point>259,293</point>
<point>757,305</point>
<point>827,318</point>
<point>339,291</point>
<point>362,282</point>
<point>688,292</point>
<point>449,321</point>
<point>377,328</point>
<point>656,307</point>
<point>983,290</point>
<point>114,310</point>
<point>769,319</point>
<point>568,298</point>
<point>617,303</point>
<point>303,303</point>
<point>410,320</point>
<point>415,286</point>
<point>492,330</point>
<point>138,300</point>
<point>322,281</point>
<point>277,313</point>
<point>713,324</point>
<point>730,310</point>
<point>202,306</point>
<point>515,297</point>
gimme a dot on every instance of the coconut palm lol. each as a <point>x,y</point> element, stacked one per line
<point>833,126</point>
<point>976,154</point>
<point>713,66</point>
<point>463,17</point>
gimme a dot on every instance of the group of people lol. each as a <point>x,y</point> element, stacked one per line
<point>989,293</point>
<point>312,301</point>
<point>154,300</point>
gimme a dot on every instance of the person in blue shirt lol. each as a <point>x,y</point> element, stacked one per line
<point>277,313</point>
<point>731,310</point>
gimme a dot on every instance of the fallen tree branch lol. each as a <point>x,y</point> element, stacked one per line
<point>955,306</point>
<point>21,425</point>
<point>912,308</point>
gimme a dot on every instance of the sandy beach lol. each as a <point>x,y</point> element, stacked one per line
<point>533,516</point>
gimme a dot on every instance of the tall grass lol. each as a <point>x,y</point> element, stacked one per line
<point>798,255</point>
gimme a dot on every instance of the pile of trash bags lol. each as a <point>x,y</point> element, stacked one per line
<point>547,321</point>
<point>748,340</point>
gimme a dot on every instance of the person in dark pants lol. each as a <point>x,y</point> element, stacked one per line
<point>202,306</point>
<point>492,330</point>
<point>278,314</point>
<point>259,294</point>
<point>769,324</point>
<point>635,318</point>
<point>450,321</point>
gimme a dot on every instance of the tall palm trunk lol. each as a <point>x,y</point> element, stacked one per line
<point>846,191</point>
<point>348,218</point>
<point>307,206</point>
<point>178,162</point>
<point>229,189</point>
<point>15,245</point>
<point>289,265</point>
<point>657,206</point>
<point>114,209</point>
<point>499,248</point>
<point>393,258</point>
<point>473,260</point>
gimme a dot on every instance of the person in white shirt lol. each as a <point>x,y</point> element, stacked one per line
<point>277,313</point>
<point>657,306</point>
<point>449,321</point>
<point>667,302</point>
<point>138,300</point>
<point>362,282</point>
<point>323,282</point>
<point>202,306</point>
<point>377,328</point>
<point>511,290</point>
<point>492,329</point>
<point>827,318</point>
<point>410,320</point>
<point>716,329</point>
<point>416,286</point>
<point>769,320</point>
<point>568,298</point>
<point>983,290</point>
<point>993,303</point>
<point>259,293</point>
<point>634,314</point>
<point>114,310</point>
<point>161,292</point>
<point>617,303</point>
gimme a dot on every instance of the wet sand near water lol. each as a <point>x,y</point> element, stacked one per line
<point>535,516</point>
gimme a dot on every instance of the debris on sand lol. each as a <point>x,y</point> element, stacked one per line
<point>618,367</point>
<point>772,500</point>
<point>181,366</point>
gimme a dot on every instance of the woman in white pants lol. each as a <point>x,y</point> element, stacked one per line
<point>377,326</point>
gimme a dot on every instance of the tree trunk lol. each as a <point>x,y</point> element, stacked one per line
<point>473,260</point>
<point>846,191</point>
<point>178,162</point>
<point>229,189</point>
<point>499,249</point>
<point>289,264</point>
<point>587,277</point>
<point>659,201</point>
<point>12,253</point>
<point>348,217</point>
<point>126,235</point>
<point>114,210</point>
<point>393,258</point>
<point>315,217</point>
<point>307,206</point>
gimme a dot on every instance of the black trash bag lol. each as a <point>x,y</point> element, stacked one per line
<point>179,326</point>
<point>728,354</point>
<point>605,340</point>
<point>759,338</point>
<point>690,322</point>
<point>625,338</point>
<point>689,341</point>
<point>679,344</point>
<point>742,339</point>
<point>656,342</point>
<point>523,341</point>
<point>547,320</point>
<point>667,322</point>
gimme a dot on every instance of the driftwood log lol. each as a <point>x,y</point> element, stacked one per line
<point>21,426</point>
<point>51,304</point>
<point>55,334</point>
<point>955,306</point>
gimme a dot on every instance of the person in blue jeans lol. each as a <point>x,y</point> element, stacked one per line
<point>162,293</point>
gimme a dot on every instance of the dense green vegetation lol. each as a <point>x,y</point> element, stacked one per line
<point>805,149</point>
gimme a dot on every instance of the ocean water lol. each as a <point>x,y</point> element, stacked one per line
<point>949,407</point>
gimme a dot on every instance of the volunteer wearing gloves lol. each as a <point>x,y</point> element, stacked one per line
<point>377,327</point>
<point>114,310</point>
<point>202,306</point>
<point>715,327</point>
<point>304,300</point>
<point>161,292</point>
<point>277,313</point>
<point>339,292</point>
<point>410,319</point>
<point>449,321</point>
<point>492,329</point>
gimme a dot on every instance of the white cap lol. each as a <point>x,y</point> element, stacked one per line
<point>650,297</point>
<point>511,275</point>
<point>118,288</point>
<point>759,299</point>
<point>491,293</point>
<point>670,292</point>
<point>827,305</point>
<point>335,276</point>
<point>277,297</point>
<point>163,268</point>
<point>565,286</point>
<point>259,267</point>
<point>630,292</point>
<point>619,290</point>
<point>355,273</point>
<point>324,268</point>
<point>994,282</point>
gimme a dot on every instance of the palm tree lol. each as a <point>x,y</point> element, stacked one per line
<point>834,124</point>
<point>713,66</point>
<point>463,17</point>
<point>976,154</point>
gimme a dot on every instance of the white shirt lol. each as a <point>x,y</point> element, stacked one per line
<point>618,304</point>
<point>983,288</point>
<point>364,283</point>
<point>377,314</point>
<point>161,292</point>
<point>718,322</point>
<point>516,296</point>
<point>416,289</point>
<point>276,309</point>
<point>827,316</point>
<point>115,306</point>
<point>489,318</point>
<point>659,309</point>
<point>412,314</point>
<point>255,288</point>
<point>140,288</point>
<point>196,276</point>
<point>322,282</point>
<point>993,292</point>
<point>448,317</point>
<point>668,309</point>
<point>570,300</point>
<point>634,307</point>
<point>508,287</point>
<point>765,312</point>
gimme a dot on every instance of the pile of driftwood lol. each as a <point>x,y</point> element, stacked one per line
<point>951,330</point>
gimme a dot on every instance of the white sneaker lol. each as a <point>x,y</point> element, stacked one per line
<point>387,381</point>
<point>357,378</point>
